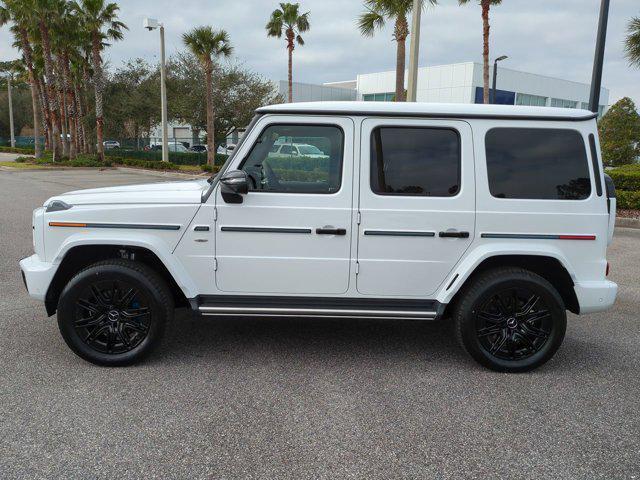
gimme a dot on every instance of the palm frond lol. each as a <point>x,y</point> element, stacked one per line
<point>632,42</point>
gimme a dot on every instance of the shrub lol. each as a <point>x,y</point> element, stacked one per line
<point>23,150</point>
<point>177,158</point>
<point>628,200</point>
<point>627,178</point>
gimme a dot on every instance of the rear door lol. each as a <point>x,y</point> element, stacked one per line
<point>292,233</point>
<point>416,203</point>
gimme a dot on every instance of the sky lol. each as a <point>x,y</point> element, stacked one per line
<point>548,37</point>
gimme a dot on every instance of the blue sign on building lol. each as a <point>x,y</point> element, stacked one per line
<point>503,97</point>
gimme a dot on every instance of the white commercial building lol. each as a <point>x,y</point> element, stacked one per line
<point>463,83</point>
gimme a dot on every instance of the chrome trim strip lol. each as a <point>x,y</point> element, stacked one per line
<point>320,312</point>
<point>392,233</point>
<point>265,230</point>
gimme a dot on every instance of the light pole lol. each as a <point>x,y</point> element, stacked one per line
<point>596,79</point>
<point>414,50</point>
<point>13,138</point>
<point>152,24</point>
<point>495,77</point>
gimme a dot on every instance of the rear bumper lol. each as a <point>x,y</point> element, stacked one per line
<point>596,296</point>
<point>37,276</point>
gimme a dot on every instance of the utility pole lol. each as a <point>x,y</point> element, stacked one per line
<point>13,138</point>
<point>598,61</point>
<point>163,95</point>
<point>414,51</point>
<point>152,24</point>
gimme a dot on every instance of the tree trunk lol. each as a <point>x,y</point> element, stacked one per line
<point>50,89</point>
<point>290,47</point>
<point>485,50</point>
<point>35,90</point>
<point>65,105</point>
<point>211,152</point>
<point>401,31</point>
<point>70,106</point>
<point>35,102</point>
<point>99,87</point>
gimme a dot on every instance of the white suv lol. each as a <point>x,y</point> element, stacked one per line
<point>495,217</point>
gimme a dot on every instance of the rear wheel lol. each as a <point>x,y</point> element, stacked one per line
<point>510,320</point>
<point>114,312</point>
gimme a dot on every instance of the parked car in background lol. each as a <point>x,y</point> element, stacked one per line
<point>173,147</point>
<point>226,149</point>
<point>495,218</point>
<point>111,144</point>
<point>198,149</point>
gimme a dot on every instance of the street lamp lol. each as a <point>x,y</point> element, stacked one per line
<point>495,77</point>
<point>596,79</point>
<point>152,24</point>
<point>414,48</point>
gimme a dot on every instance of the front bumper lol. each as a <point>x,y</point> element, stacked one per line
<point>596,296</point>
<point>37,276</point>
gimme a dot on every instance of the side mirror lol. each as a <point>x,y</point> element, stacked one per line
<point>234,184</point>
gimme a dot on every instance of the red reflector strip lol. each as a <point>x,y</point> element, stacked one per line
<point>577,237</point>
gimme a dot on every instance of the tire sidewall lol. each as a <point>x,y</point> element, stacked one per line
<point>492,285</point>
<point>99,273</point>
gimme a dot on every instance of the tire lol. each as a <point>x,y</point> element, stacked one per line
<point>114,312</point>
<point>510,320</point>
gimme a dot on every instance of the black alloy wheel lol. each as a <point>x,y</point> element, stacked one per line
<point>112,316</point>
<point>114,312</point>
<point>510,319</point>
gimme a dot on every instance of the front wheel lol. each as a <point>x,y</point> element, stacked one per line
<point>114,312</point>
<point>510,320</point>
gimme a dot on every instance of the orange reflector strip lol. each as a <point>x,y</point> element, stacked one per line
<point>67,224</point>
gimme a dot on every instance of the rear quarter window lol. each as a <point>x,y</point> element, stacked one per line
<point>538,164</point>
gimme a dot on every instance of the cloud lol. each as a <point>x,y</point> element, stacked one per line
<point>545,37</point>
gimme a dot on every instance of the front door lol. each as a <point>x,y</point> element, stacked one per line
<point>292,232</point>
<point>417,204</point>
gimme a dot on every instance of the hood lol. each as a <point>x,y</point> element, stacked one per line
<point>189,192</point>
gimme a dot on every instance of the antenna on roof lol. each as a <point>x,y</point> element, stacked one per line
<point>596,79</point>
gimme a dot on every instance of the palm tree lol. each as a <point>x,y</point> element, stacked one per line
<point>43,12</point>
<point>207,44</point>
<point>632,42</point>
<point>486,7</point>
<point>288,19</point>
<point>100,21</point>
<point>18,13</point>
<point>378,12</point>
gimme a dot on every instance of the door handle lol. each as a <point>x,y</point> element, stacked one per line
<point>331,231</point>
<point>453,234</point>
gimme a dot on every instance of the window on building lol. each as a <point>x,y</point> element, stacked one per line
<point>379,97</point>
<point>503,97</point>
<point>415,161</point>
<point>531,100</point>
<point>561,103</point>
<point>542,163</point>
<point>585,106</point>
<point>307,159</point>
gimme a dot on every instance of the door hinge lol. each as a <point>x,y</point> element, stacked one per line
<point>357,268</point>
<point>215,264</point>
<point>359,218</point>
<point>215,214</point>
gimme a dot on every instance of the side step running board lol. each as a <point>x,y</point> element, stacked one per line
<point>208,310</point>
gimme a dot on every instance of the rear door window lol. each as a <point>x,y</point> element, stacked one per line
<point>540,164</point>
<point>415,161</point>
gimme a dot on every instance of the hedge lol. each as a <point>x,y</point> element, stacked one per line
<point>177,158</point>
<point>628,200</point>
<point>626,178</point>
<point>25,151</point>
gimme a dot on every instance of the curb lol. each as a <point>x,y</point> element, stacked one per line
<point>622,222</point>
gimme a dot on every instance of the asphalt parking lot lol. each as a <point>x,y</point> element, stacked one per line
<point>296,398</point>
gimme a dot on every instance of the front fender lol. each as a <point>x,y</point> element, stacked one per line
<point>141,240</point>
